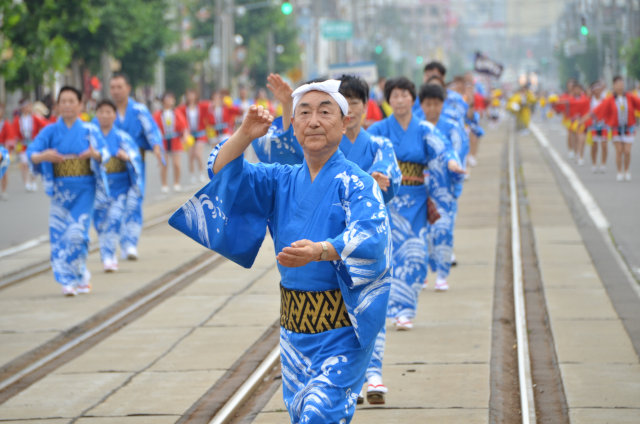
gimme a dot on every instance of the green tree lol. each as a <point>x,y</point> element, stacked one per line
<point>135,33</point>
<point>633,58</point>
<point>588,62</point>
<point>34,34</point>
<point>179,69</point>
<point>254,27</point>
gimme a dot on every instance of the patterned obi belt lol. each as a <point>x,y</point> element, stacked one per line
<point>115,165</point>
<point>312,312</point>
<point>72,168</point>
<point>412,173</point>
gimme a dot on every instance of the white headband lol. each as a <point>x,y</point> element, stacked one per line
<point>331,87</point>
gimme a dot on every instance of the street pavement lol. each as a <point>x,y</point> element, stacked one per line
<point>154,369</point>
<point>619,201</point>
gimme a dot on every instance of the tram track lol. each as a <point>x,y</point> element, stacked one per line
<point>241,391</point>
<point>32,366</point>
<point>541,396</point>
<point>38,267</point>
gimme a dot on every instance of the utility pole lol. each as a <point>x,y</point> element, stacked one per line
<point>271,47</point>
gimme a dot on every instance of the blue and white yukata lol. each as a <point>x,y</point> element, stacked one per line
<point>122,177</point>
<point>72,187</point>
<point>278,145</point>
<point>445,187</point>
<point>370,153</point>
<point>322,372</point>
<point>139,124</point>
<point>5,161</point>
<point>418,147</point>
<point>473,123</point>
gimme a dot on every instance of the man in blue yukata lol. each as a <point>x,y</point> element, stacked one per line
<point>331,234</point>
<point>134,119</point>
<point>373,154</point>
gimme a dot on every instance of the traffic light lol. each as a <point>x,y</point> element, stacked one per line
<point>378,49</point>
<point>419,60</point>
<point>286,8</point>
<point>583,28</point>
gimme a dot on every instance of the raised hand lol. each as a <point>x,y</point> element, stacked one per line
<point>256,123</point>
<point>280,89</point>
<point>282,92</point>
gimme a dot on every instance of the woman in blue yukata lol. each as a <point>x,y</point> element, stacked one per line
<point>419,146</point>
<point>68,154</point>
<point>331,234</point>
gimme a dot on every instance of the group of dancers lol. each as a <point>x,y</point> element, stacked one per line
<point>595,116</point>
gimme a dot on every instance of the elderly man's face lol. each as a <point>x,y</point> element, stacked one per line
<point>318,122</point>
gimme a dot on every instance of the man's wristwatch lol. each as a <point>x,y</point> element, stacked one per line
<point>325,251</point>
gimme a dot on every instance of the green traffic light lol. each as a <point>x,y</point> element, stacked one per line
<point>419,60</point>
<point>378,49</point>
<point>286,8</point>
<point>584,30</point>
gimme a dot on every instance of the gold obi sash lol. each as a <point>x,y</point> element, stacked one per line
<point>72,168</point>
<point>412,173</point>
<point>312,312</point>
<point>115,165</point>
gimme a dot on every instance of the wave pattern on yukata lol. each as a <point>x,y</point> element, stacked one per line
<point>311,397</point>
<point>69,246</point>
<point>196,216</point>
<point>409,262</point>
<point>375,365</point>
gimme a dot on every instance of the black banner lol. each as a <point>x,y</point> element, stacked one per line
<point>484,65</point>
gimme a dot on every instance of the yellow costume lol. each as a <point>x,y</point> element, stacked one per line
<point>520,104</point>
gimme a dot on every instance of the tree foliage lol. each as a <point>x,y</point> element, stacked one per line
<point>180,68</point>
<point>633,58</point>
<point>33,37</point>
<point>254,27</point>
<point>40,36</point>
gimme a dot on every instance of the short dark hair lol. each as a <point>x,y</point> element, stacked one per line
<point>121,75</point>
<point>431,91</point>
<point>402,83</point>
<point>440,81</point>
<point>106,102</point>
<point>354,87</point>
<point>616,78</point>
<point>167,94</point>
<point>437,66</point>
<point>72,89</point>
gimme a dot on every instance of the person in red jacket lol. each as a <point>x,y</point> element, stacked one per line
<point>579,105</point>
<point>221,117</point>
<point>7,140</point>
<point>561,108</point>
<point>195,112</point>
<point>26,126</point>
<point>175,131</point>
<point>618,111</point>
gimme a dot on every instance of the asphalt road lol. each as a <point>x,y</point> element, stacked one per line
<point>619,201</point>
